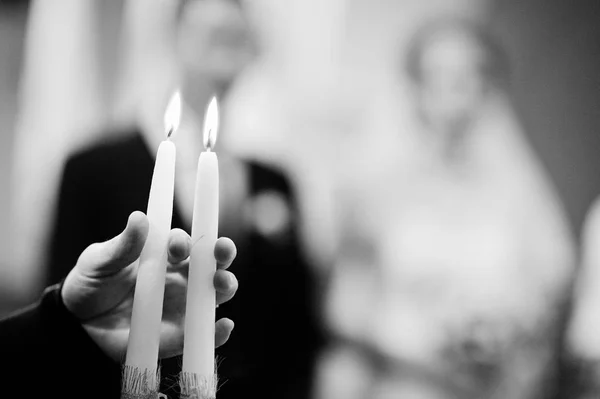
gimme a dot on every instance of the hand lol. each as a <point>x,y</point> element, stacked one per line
<point>99,290</point>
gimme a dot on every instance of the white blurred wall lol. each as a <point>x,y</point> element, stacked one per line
<point>12,30</point>
<point>63,103</point>
<point>327,85</point>
<point>326,78</point>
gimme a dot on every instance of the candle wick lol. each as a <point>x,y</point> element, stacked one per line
<point>170,132</point>
<point>208,140</point>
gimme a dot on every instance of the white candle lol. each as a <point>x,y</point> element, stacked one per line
<point>199,338</point>
<point>144,334</point>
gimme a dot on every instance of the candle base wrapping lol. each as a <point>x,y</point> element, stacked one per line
<point>194,386</point>
<point>138,383</point>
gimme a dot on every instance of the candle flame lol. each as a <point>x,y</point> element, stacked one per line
<point>173,114</point>
<point>211,124</point>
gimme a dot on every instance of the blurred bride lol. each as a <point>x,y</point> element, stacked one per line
<point>452,276</point>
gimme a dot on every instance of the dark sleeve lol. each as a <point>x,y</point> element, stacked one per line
<point>46,352</point>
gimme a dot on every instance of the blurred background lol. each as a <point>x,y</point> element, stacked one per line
<point>441,154</point>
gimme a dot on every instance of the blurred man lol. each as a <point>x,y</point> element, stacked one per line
<point>104,183</point>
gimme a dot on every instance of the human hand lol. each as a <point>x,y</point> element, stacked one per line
<point>99,290</point>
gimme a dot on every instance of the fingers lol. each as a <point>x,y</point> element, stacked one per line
<point>179,246</point>
<point>223,328</point>
<point>109,257</point>
<point>226,285</point>
<point>225,252</point>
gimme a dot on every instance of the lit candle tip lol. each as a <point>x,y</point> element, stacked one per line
<point>173,114</point>
<point>211,124</point>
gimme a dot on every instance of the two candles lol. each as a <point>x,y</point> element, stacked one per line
<point>144,335</point>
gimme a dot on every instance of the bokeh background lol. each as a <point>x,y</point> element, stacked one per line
<point>552,47</point>
<point>330,79</point>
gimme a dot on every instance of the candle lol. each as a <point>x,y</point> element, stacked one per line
<point>144,334</point>
<point>199,339</point>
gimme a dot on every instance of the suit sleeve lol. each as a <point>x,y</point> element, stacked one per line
<point>46,353</point>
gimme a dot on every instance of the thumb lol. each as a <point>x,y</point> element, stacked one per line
<point>109,257</point>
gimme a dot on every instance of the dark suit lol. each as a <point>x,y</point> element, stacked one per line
<point>271,349</point>
<point>46,352</point>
